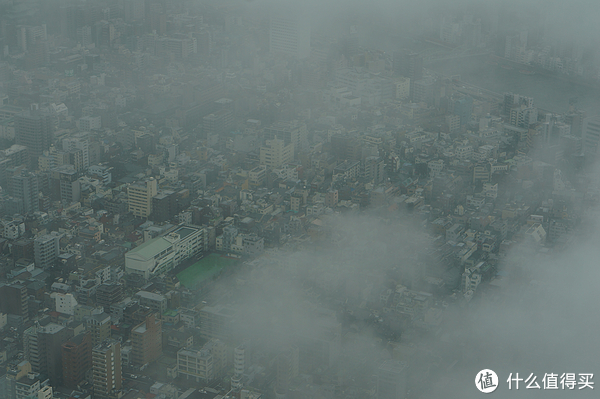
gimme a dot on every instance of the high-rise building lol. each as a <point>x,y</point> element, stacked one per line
<point>140,197</point>
<point>591,135</point>
<point>276,153</point>
<point>424,91</point>
<point>408,64</point>
<point>33,129</point>
<point>99,327</point>
<point>76,359</point>
<point>43,346</point>
<point>78,143</point>
<point>289,34</point>
<point>84,35</point>
<point>219,122</point>
<point>107,294</point>
<point>575,119</point>
<point>106,364</point>
<point>523,117</point>
<point>24,187</point>
<point>391,380</point>
<point>239,366</point>
<point>46,249</point>
<point>216,321</point>
<point>164,206</point>
<point>14,300</point>
<point>374,169</point>
<point>64,182</point>
<point>146,338</point>
<point>287,368</point>
<point>17,154</point>
<point>512,100</point>
<point>293,132</point>
<point>463,108</point>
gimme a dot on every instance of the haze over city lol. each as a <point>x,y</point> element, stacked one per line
<point>265,199</point>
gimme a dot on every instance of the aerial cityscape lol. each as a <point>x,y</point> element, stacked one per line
<point>261,199</point>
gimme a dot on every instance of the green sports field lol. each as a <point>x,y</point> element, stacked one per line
<point>204,269</point>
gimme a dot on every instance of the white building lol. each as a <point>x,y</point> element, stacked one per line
<point>12,229</point>
<point>205,364</point>
<point>163,253</point>
<point>78,143</point>
<point>102,171</point>
<point>65,303</point>
<point>46,249</point>
<point>88,123</point>
<point>276,154</point>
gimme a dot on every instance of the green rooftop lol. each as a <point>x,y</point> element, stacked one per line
<point>204,269</point>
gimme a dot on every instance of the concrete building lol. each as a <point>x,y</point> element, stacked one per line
<point>205,364</point>
<point>64,183</point>
<point>156,302</point>
<point>402,88</point>
<point>215,321</point>
<point>289,34</point>
<point>288,365</point>
<point>276,153</point>
<point>591,135</point>
<point>79,143</point>
<point>14,300</point>
<point>34,130</point>
<point>102,171</point>
<point>347,170</point>
<point>106,363</point>
<point>65,303</point>
<point>292,132</point>
<point>146,339</point>
<point>239,366</point>
<point>391,380</point>
<point>139,197</point>
<point>424,91</point>
<point>374,169</point>
<point>31,386</point>
<point>512,100</point>
<point>25,188</point>
<point>88,123</point>
<point>42,346</point>
<point>463,108</point>
<point>46,249</point>
<point>76,359</point>
<point>162,254</point>
<point>99,327</point>
<point>109,293</point>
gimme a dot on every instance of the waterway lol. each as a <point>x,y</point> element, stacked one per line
<point>548,92</point>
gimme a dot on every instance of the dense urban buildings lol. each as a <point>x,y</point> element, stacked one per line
<point>207,199</point>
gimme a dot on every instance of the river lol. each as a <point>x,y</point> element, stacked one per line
<point>548,92</point>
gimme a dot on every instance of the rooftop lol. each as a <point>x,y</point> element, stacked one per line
<point>150,248</point>
<point>150,295</point>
